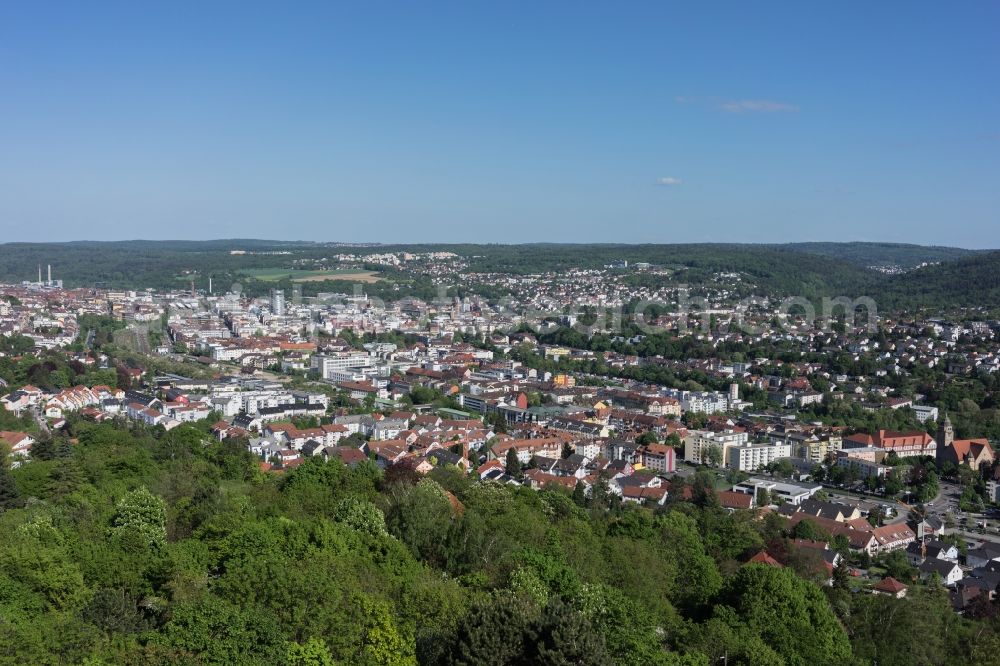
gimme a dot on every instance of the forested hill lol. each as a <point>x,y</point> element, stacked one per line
<point>972,281</point>
<point>963,277</point>
<point>137,264</point>
<point>770,269</point>
<point>142,546</point>
<point>169,264</point>
<point>901,255</point>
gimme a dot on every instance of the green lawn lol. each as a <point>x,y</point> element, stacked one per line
<point>275,274</point>
<point>722,484</point>
<point>858,584</point>
<point>272,274</point>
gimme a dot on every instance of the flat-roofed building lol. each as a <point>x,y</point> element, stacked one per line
<point>793,493</point>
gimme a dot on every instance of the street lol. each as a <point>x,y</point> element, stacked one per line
<point>43,426</point>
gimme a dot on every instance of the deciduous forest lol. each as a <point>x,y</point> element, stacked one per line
<point>123,544</point>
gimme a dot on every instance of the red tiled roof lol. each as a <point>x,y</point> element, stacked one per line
<point>964,447</point>
<point>890,585</point>
<point>763,557</point>
<point>730,499</point>
<point>644,492</point>
<point>349,455</point>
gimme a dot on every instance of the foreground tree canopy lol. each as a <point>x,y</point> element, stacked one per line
<point>146,547</point>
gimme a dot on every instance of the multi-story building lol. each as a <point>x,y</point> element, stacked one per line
<point>703,402</point>
<point>810,447</point>
<point>752,457</point>
<point>658,457</point>
<point>329,365</point>
<point>865,463</point>
<point>278,302</point>
<point>698,443</point>
<point>903,444</point>
<point>524,449</point>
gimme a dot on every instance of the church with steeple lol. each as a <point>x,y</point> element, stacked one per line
<point>945,435</point>
<point>972,452</point>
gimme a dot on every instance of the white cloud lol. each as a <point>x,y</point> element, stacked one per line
<point>757,106</point>
<point>669,181</point>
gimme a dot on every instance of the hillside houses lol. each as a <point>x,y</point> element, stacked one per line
<point>21,399</point>
<point>78,397</point>
<point>861,535</point>
<point>18,443</point>
<point>297,438</point>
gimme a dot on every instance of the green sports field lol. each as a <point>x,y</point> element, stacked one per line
<point>297,275</point>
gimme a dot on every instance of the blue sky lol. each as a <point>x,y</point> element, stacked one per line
<point>501,122</point>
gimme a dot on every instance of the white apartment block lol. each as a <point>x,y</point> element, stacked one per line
<point>752,457</point>
<point>329,364</point>
<point>704,402</point>
<point>809,447</point>
<point>351,374</point>
<point>698,442</point>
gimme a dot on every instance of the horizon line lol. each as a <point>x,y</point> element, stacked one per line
<point>493,243</point>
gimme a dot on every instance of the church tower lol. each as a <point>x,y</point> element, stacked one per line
<point>945,438</point>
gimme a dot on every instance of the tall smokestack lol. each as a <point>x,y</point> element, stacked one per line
<point>50,273</point>
<point>209,285</point>
<point>39,273</point>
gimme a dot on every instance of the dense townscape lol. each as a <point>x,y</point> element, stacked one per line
<point>381,455</point>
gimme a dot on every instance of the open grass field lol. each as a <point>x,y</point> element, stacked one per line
<point>354,276</point>
<point>296,275</point>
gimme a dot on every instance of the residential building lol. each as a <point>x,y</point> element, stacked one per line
<point>698,443</point>
<point>949,572</point>
<point>658,457</point>
<point>752,457</point>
